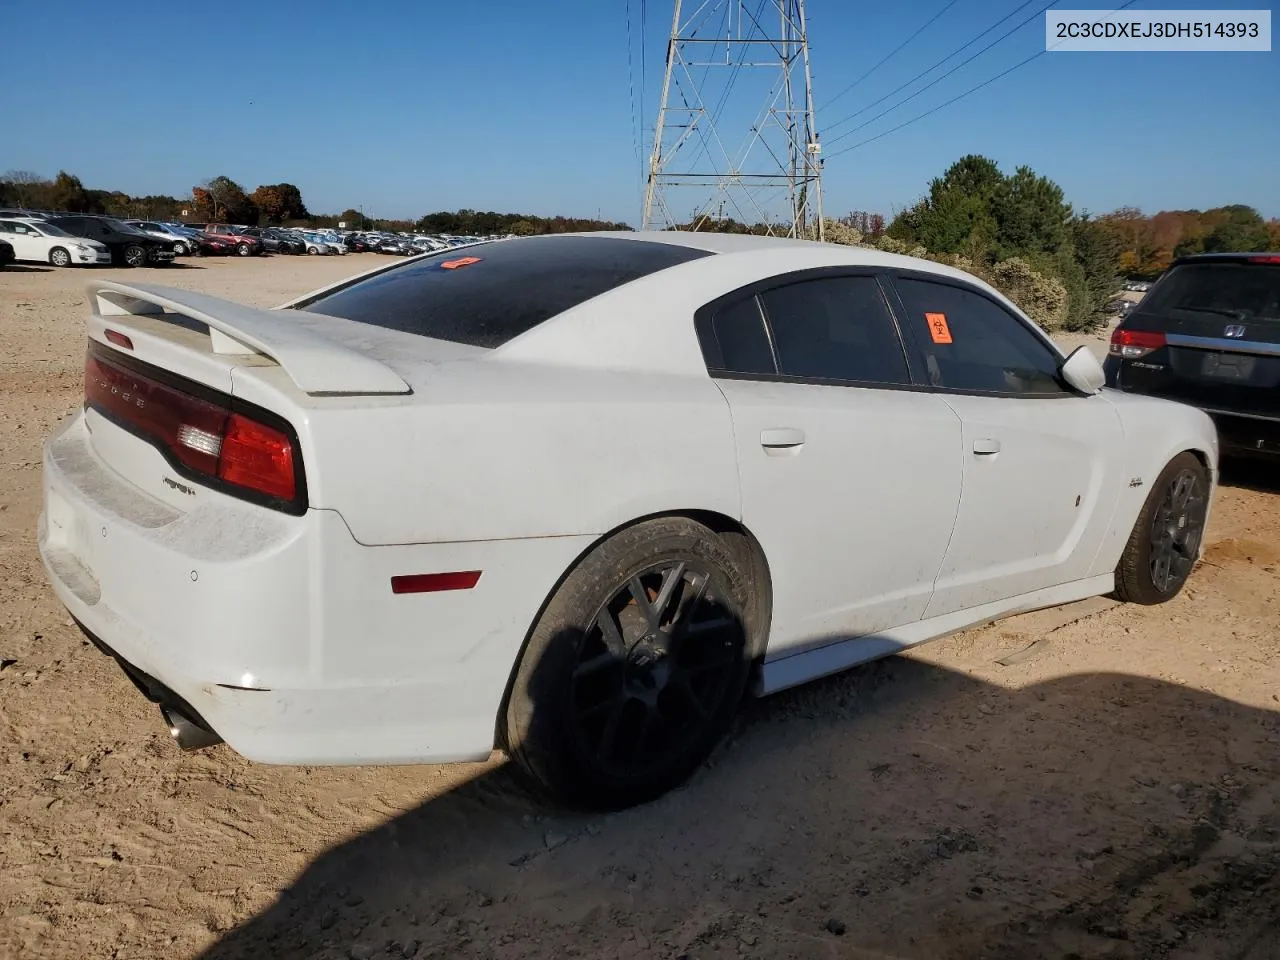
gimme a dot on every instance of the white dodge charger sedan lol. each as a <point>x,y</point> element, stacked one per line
<point>574,496</point>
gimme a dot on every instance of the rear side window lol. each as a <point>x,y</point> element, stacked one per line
<point>735,340</point>
<point>487,294</point>
<point>838,328</point>
<point>972,343</point>
<point>1245,291</point>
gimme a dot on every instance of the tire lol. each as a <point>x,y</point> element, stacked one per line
<point>1165,542</point>
<point>608,717</point>
<point>135,255</point>
<point>313,250</point>
<point>181,249</point>
<point>60,257</point>
<point>243,249</point>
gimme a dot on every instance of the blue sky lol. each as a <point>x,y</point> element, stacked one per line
<point>408,106</point>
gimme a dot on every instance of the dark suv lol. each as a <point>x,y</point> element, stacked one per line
<point>1208,334</point>
<point>127,245</point>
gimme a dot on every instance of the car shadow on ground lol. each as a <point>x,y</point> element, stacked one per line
<point>898,810</point>
<point>24,268</point>
<point>1251,474</point>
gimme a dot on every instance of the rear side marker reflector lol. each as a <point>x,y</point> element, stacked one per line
<point>119,339</point>
<point>1266,259</point>
<point>435,582</point>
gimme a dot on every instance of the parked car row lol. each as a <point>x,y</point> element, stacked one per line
<point>71,239</point>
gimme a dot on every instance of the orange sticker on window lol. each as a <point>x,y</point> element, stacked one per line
<point>460,262</point>
<point>938,328</point>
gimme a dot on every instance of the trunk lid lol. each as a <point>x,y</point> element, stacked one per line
<point>161,400</point>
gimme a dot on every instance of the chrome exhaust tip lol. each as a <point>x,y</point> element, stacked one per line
<point>186,733</point>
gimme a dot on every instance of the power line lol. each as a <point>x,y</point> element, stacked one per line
<point>642,60</point>
<point>961,96</point>
<point>631,88</point>
<point>935,66</point>
<point>936,80</point>
<point>887,57</point>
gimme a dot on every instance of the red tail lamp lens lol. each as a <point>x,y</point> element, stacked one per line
<point>203,436</point>
<point>1135,343</point>
<point>257,457</point>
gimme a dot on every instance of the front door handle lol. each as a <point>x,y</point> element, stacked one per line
<point>781,438</point>
<point>986,447</point>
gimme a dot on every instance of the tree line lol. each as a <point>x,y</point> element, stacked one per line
<point>482,223</point>
<point>221,199</point>
<point>1148,244</point>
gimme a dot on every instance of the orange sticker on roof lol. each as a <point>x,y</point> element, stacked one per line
<point>938,328</point>
<point>460,262</point>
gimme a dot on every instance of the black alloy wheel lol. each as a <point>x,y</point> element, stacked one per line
<point>1165,541</point>
<point>1177,525</point>
<point>635,668</point>
<point>655,665</point>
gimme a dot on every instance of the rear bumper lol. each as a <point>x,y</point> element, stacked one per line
<point>281,633</point>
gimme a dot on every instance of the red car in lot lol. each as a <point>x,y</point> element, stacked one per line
<point>246,245</point>
<point>212,245</point>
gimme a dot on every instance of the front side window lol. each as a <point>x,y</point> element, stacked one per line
<point>973,344</point>
<point>835,328</point>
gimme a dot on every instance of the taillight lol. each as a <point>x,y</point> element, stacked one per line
<point>1131,344</point>
<point>1269,258</point>
<point>204,438</point>
<point>255,456</point>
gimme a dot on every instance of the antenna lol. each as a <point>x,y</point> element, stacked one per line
<point>766,166</point>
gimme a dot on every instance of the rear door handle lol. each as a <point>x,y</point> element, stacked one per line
<point>986,447</point>
<point>781,438</point>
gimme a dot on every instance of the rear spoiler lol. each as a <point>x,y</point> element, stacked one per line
<point>317,365</point>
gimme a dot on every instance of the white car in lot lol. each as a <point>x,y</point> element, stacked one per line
<point>41,242</point>
<point>572,496</point>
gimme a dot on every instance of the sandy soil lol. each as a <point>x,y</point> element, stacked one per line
<point>1100,782</point>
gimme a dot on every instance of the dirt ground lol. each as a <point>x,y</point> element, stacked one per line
<point>1095,783</point>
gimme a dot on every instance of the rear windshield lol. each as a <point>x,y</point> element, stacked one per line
<point>490,293</point>
<point>1246,291</point>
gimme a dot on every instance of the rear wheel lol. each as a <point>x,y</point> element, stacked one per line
<point>243,249</point>
<point>135,255</point>
<point>1165,542</point>
<point>181,249</point>
<point>635,669</point>
<point>313,250</point>
<point>59,257</point>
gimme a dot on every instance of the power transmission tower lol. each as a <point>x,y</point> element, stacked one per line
<point>735,123</point>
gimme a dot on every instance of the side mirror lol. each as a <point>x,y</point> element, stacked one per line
<point>1082,371</point>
